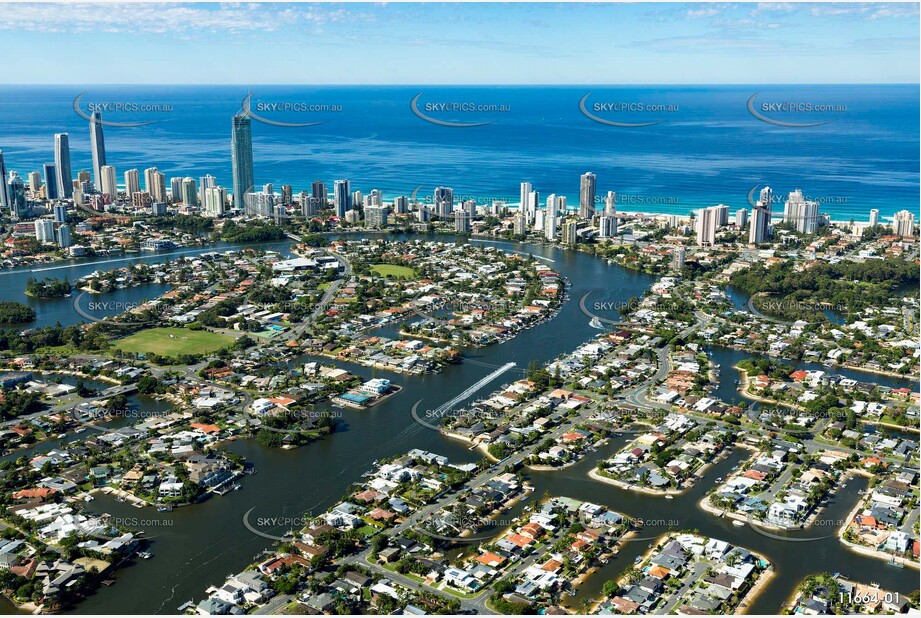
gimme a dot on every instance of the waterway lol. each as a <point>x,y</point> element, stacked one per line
<point>199,546</point>
<point>727,358</point>
<point>49,311</point>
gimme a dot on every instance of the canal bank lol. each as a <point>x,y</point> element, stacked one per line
<point>49,311</point>
<point>209,540</point>
<point>730,377</point>
<point>199,546</point>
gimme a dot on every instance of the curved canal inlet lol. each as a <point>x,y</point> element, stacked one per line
<point>204,543</point>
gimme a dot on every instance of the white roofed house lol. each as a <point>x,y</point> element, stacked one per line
<point>716,549</point>
<point>459,578</point>
<point>170,487</point>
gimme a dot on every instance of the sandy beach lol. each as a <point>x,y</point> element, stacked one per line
<point>766,576</point>
<point>866,551</point>
<point>705,505</point>
<point>645,490</point>
<point>478,446</point>
<point>743,390</point>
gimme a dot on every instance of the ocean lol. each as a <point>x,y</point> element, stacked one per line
<point>707,145</point>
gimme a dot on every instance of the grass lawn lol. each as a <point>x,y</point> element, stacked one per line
<point>367,530</point>
<point>323,285</point>
<point>173,342</point>
<point>458,593</point>
<point>393,568</point>
<point>885,418</point>
<point>392,271</point>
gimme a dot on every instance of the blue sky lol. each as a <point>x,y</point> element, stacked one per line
<point>433,43</point>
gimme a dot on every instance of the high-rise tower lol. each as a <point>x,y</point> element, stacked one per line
<point>241,143</point>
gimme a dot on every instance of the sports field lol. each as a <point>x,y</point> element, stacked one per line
<point>173,342</point>
<point>393,271</point>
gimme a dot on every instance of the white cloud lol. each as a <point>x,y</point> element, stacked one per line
<point>165,18</point>
<point>703,12</point>
<point>865,10</point>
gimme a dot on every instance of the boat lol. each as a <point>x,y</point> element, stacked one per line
<point>164,509</point>
<point>894,564</point>
<point>146,555</point>
<point>669,497</point>
<point>637,560</point>
<point>737,523</point>
<point>187,605</point>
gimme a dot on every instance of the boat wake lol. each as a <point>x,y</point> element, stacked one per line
<point>449,405</point>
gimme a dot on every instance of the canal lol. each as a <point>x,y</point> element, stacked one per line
<point>200,546</point>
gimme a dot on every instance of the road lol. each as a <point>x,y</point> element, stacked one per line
<point>328,293</point>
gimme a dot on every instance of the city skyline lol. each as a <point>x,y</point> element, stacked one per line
<point>804,214</point>
<point>432,309</point>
